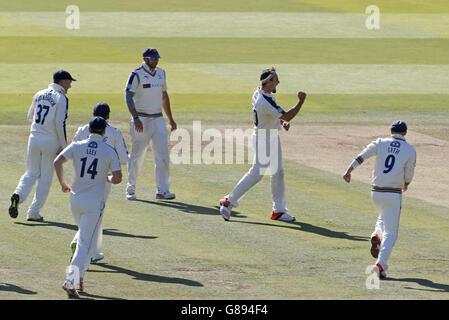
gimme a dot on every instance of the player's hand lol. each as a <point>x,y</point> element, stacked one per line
<point>65,188</point>
<point>173,125</point>
<point>347,177</point>
<point>285,125</point>
<point>138,125</point>
<point>302,95</point>
<point>405,188</point>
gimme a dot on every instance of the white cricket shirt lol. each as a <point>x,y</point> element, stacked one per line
<point>112,137</point>
<point>92,159</point>
<point>266,111</point>
<point>48,112</point>
<point>147,88</point>
<point>395,162</point>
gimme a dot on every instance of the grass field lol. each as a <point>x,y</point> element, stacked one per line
<point>357,81</point>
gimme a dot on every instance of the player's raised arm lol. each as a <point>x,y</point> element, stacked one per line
<point>290,114</point>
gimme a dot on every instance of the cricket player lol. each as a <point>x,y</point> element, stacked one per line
<point>47,113</point>
<point>93,159</point>
<point>393,172</point>
<point>146,96</point>
<point>114,138</point>
<point>268,118</point>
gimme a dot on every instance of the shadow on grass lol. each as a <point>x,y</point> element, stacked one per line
<point>437,287</point>
<point>107,232</point>
<point>88,296</point>
<point>13,288</point>
<point>306,227</point>
<point>189,208</point>
<point>146,277</point>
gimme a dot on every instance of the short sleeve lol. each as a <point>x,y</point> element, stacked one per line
<point>267,105</point>
<point>68,152</point>
<point>133,82</point>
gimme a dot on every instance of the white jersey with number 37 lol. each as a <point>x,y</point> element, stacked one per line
<point>48,113</point>
<point>395,161</point>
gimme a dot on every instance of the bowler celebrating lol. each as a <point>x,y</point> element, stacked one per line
<point>268,117</point>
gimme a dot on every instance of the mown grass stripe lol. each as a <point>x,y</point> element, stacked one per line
<point>228,24</point>
<point>240,78</point>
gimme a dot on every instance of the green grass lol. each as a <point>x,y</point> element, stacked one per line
<point>183,249</point>
<point>226,50</point>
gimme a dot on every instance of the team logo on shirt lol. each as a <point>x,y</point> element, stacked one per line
<point>92,144</point>
<point>395,144</point>
<point>147,85</point>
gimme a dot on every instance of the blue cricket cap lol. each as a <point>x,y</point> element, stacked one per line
<point>151,53</point>
<point>62,75</point>
<point>97,125</point>
<point>102,109</point>
<point>398,126</point>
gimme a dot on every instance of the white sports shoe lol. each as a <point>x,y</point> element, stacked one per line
<point>35,217</point>
<point>165,196</point>
<point>282,216</point>
<point>377,268</point>
<point>130,195</point>
<point>70,289</point>
<point>225,209</point>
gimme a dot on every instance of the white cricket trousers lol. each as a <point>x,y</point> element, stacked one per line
<point>258,170</point>
<point>41,154</point>
<point>88,216</point>
<point>388,206</point>
<point>107,191</point>
<point>154,132</point>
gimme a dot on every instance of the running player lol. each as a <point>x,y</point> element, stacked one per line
<point>93,159</point>
<point>114,138</point>
<point>393,171</point>
<point>268,117</point>
<point>48,113</point>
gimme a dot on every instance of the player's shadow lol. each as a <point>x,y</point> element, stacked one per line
<point>87,296</point>
<point>190,208</point>
<point>107,232</point>
<point>146,277</point>
<point>434,287</point>
<point>306,227</point>
<point>13,288</point>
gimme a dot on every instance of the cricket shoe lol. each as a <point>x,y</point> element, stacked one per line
<point>70,289</point>
<point>375,246</point>
<point>130,195</point>
<point>97,258</point>
<point>380,271</point>
<point>225,209</point>
<point>165,196</point>
<point>35,217</point>
<point>13,208</point>
<point>282,216</point>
